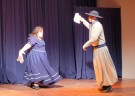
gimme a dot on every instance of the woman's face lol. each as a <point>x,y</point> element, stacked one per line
<point>40,34</point>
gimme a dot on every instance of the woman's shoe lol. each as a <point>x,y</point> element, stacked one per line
<point>35,86</point>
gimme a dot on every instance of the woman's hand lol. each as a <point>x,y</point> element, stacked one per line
<point>20,56</point>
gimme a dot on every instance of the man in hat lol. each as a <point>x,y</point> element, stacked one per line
<point>104,68</point>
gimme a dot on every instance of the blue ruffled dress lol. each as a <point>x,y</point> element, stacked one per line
<point>38,68</point>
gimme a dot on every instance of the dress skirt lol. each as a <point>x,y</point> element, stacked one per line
<point>39,69</point>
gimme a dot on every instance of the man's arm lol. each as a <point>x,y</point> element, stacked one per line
<point>85,22</point>
<point>94,35</point>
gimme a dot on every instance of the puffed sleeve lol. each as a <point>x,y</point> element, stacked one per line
<point>31,40</point>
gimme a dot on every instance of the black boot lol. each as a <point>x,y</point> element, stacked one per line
<point>107,89</point>
<point>102,88</point>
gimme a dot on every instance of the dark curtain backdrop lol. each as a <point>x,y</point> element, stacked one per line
<point>112,27</point>
<point>19,17</point>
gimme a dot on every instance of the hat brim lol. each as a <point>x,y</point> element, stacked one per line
<point>93,15</point>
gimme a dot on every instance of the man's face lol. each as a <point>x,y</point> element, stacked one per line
<point>90,18</point>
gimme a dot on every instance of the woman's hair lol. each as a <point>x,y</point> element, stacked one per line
<point>36,30</point>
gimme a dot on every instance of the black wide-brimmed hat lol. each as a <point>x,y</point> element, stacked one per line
<point>94,13</point>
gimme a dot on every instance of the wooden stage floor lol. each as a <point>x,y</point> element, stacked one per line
<point>70,87</point>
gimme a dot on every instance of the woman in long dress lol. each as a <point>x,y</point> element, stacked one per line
<point>38,70</point>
